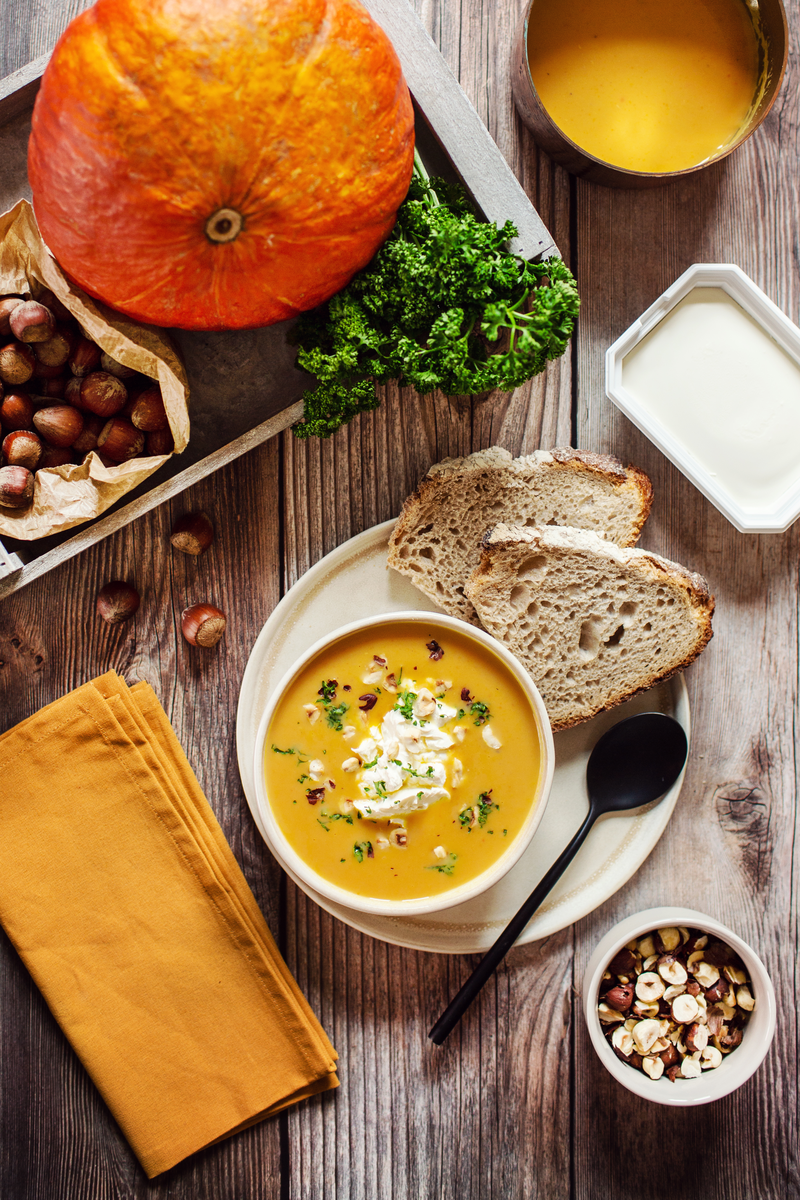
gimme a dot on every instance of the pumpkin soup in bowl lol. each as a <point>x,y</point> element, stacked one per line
<point>404,764</point>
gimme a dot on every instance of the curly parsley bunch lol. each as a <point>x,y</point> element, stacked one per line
<point>441,289</point>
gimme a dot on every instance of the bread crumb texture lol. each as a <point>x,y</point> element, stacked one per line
<point>436,541</point>
<point>594,623</point>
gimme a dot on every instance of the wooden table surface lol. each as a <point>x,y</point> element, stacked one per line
<point>516,1104</point>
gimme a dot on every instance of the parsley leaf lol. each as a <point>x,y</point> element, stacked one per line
<point>428,309</point>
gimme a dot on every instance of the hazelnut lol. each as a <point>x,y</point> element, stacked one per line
<point>696,1038</point>
<point>203,625</point>
<point>744,998</point>
<point>84,358</point>
<point>685,1009</point>
<point>7,306</point>
<point>109,364</point>
<point>117,602</point>
<point>671,969</point>
<point>706,974</point>
<point>669,939</point>
<point>87,439</point>
<point>17,363</point>
<point>691,1068</point>
<point>119,440</point>
<point>710,1058</point>
<point>22,449</point>
<point>645,1033</point>
<point>650,986</point>
<point>72,392</point>
<point>16,487</point>
<point>103,394</point>
<point>148,412</point>
<point>54,456</point>
<point>54,352</point>
<point>399,837</point>
<point>654,1067</point>
<point>192,533</point>
<point>622,963</point>
<point>30,321</point>
<point>48,388</point>
<point>59,425</point>
<point>160,442</point>
<point>16,411</point>
<point>622,1040</point>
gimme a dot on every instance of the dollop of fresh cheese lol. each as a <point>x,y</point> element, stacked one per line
<point>405,760</point>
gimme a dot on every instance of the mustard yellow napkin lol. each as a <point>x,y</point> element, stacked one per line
<point>125,903</point>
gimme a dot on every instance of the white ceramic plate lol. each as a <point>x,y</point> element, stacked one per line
<point>353,581</point>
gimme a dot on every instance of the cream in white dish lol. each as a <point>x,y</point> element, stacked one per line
<point>726,391</point>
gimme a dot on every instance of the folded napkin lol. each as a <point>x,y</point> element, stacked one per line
<point>126,905</point>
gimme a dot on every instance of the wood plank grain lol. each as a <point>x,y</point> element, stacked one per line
<point>58,1138</point>
<point>480,1117</point>
<point>729,849</point>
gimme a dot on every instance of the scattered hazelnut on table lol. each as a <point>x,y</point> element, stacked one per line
<point>203,625</point>
<point>31,322</point>
<point>192,533</point>
<point>668,1009</point>
<point>117,601</point>
<point>16,487</point>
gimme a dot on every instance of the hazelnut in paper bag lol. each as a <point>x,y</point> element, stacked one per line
<point>102,344</point>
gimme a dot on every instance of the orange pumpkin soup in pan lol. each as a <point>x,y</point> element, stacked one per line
<point>400,765</point>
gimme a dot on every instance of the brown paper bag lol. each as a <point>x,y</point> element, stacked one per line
<point>66,496</point>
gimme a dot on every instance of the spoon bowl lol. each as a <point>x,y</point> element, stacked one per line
<point>633,763</point>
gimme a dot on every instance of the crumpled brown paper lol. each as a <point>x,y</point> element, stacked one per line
<point>66,496</point>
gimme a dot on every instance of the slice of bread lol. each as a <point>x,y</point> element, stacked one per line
<point>436,541</point>
<point>593,623</point>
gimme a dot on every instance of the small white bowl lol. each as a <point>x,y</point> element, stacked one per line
<point>457,895</point>
<point>745,445</point>
<point>736,1067</point>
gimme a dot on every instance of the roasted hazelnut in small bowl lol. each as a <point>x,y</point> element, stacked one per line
<point>680,1010</point>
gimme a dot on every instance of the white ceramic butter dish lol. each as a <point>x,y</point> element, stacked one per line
<point>711,374</point>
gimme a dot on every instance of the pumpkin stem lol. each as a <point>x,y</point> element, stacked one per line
<point>224,225</point>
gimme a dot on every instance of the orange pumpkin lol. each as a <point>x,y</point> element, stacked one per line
<point>219,164</point>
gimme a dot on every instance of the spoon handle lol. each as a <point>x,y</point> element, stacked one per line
<point>493,957</point>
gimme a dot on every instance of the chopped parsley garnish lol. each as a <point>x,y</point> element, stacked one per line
<point>478,813</point>
<point>322,823</point>
<point>362,848</point>
<point>335,715</point>
<point>406,706</point>
<point>338,817</point>
<point>446,866</point>
<point>277,750</point>
<point>480,712</point>
<point>328,690</point>
<point>303,778</point>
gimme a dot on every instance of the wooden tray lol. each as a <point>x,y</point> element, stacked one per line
<point>244,384</point>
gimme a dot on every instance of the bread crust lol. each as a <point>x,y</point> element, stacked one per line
<point>496,573</point>
<point>496,467</point>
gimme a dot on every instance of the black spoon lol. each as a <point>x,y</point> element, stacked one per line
<point>634,762</point>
